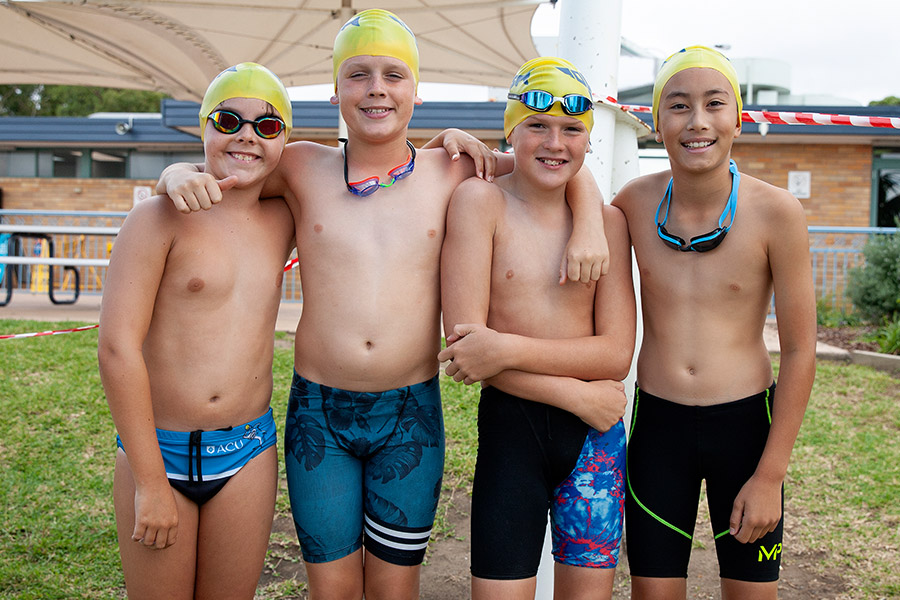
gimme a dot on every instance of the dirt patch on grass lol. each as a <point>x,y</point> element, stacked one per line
<point>445,574</point>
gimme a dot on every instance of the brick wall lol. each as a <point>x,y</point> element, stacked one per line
<point>841,177</point>
<point>41,193</point>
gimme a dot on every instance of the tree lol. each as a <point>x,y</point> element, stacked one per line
<point>19,100</point>
<point>73,101</point>
<point>889,101</point>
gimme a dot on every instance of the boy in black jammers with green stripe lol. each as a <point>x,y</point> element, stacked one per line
<point>705,404</point>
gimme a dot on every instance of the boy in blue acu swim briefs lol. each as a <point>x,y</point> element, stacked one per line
<point>185,352</point>
<point>712,244</point>
<point>364,432</point>
<point>550,434</point>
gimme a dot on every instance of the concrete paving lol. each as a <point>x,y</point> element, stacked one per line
<point>37,307</point>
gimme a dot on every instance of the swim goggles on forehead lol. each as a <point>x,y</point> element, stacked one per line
<point>541,101</point>
<point>368,186</point>
<point>707,241</point>
<point>229,122</point>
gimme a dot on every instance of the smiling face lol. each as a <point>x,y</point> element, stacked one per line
<point>697,119</point>
<point>376,95</point>
<point>549,150</point>
<point>243,153</point>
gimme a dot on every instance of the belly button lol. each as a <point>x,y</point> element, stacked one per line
<point>369,345</point>
<point>691,371</point>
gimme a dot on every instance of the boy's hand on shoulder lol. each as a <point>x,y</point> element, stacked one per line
<point>192,191</point>
<point>756,510</point>
<point>602,403</point>
<point>474,352</point>
<point>456,142</point>
<point>155,517</point>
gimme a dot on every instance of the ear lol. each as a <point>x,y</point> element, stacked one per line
<point>659,137</point>
<point>737,130</point>
<point>418,101</point>
<point>334,100</point>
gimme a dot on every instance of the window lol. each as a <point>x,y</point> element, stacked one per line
<point>885,189</point>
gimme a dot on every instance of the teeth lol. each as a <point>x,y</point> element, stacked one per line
<point>243,157</point>
<point>375,110</point>
<point>552,163</point>
<point>698,144</point>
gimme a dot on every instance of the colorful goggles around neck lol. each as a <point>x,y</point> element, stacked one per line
<point>541,101</point>
<point>369,185</point>
<point>706,241</point>
<point>229,122</point>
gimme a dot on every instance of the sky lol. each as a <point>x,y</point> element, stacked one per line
<point>845,49</point>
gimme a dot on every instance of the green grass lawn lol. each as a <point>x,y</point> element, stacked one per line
<point>57,447</point>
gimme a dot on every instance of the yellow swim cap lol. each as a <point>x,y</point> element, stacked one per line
<point>694,57</point>
<point>247,80</point>
<point>376,32</point>
<point>550,74</point>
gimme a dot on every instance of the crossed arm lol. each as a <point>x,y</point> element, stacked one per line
<point>581,374</point>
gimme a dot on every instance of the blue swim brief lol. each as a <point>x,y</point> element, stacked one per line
<point>200,463</point>
<point>364,468</point>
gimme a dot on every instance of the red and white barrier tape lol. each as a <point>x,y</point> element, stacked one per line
<point>791,118</point>
<point>287,267</point>
<point>43,333</point>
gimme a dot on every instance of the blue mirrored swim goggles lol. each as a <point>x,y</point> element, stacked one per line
<point>707,241</point>
<point>368,186</point>
<point>541,101</point>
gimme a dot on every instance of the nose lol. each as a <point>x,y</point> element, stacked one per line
<point>246,133</point>
<point>698,121</point>
<point>376,88</point>
<point>553,139</point>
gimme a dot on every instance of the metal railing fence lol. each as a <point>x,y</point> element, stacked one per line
<point>77,243</point>
<point>835,251</point>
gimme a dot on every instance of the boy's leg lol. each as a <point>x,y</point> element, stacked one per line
<point>151,573</point>
<point>658,588</point>
<point>582,583</point>
<point>748,570</point>
<point>234,531</point>
<point>733,589</point>
<point>504,589</point>
<point>386,581</point>
<point>663,496</point>
<point>586,517</point>
<point>340,579</point>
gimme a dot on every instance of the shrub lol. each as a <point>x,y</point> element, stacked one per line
<point>888,337</point>
<point>875,287</point>
<point>829,316</point>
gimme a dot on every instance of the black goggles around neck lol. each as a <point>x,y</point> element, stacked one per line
<point>706,241</point>
<point>228,122</point>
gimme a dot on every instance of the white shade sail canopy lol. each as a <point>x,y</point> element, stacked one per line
<point>177,47</point>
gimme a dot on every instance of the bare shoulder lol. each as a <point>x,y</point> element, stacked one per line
<point>437,163</point>
<point>774,203</point>
<point>477,194</point>
<point>157,211</point>
<point>640,189</point>
<point>298,156</point>
<point>613,217</point>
